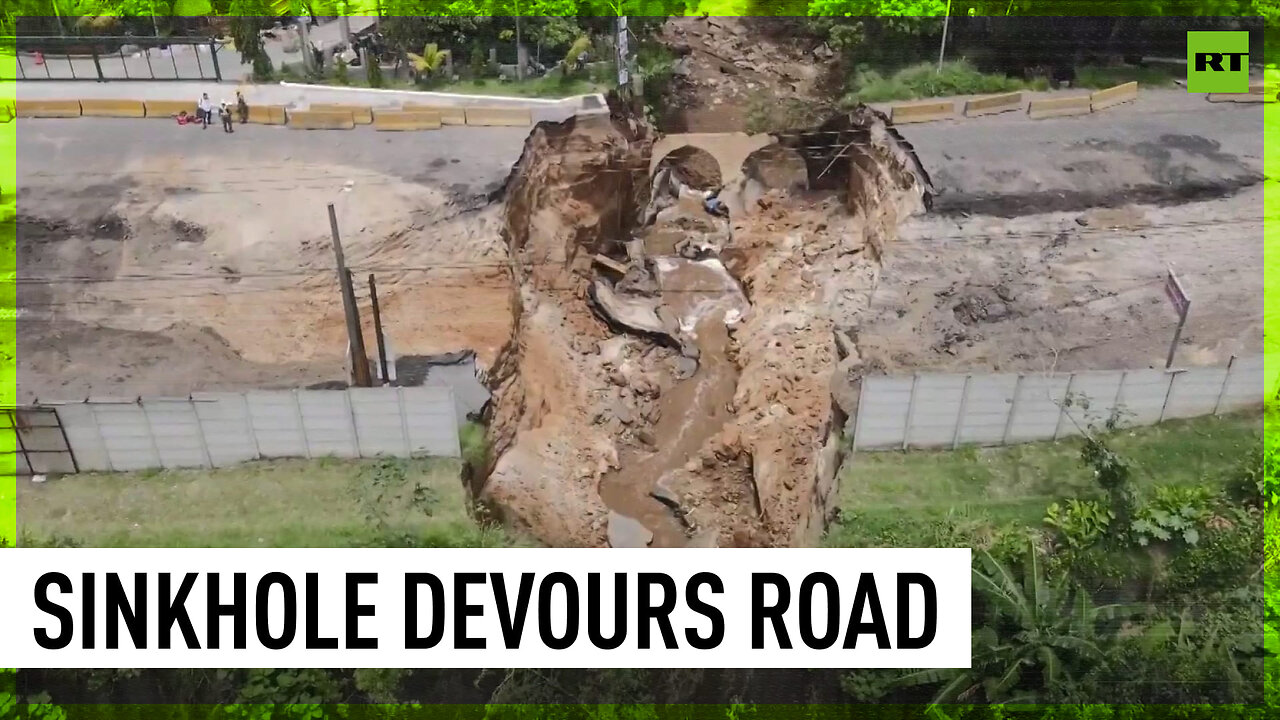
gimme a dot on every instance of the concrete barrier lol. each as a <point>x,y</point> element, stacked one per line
<point>48,108</point>
<point>267,115</point>
<point>508,117</point>
<point>321,120</point>
<point>406,120</point>
<point>1257,93</point>
<point>1060,106</point>
<point>113,108</point>
<point>448,115</point>
<point>922,111</point>
<point>168,108</point>
<point>992,104</point>
<point>360,114</point>
<point>1101,99</point>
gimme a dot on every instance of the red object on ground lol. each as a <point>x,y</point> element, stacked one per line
<point>39,58</point>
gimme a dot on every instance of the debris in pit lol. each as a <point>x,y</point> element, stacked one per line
<point>188,232</point>
<point>625,532</point>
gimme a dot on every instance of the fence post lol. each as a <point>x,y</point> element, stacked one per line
<point>97,425</point>
<point>1013,409</point>
<point>213,53</point>
<point>857,414</point>
<point>355,427</point>
<point>97,65</point>
<point>62,428</point>
<point>1062,408</point>
<point>204,441</point>
<point>1226,380</point>
<point>151,432</point>
<point>404,421</point>
<point>253,430</point>
<point>911,411</point>
<point>302,423</point>
<point>1173,377</point>
<point>964,401</point>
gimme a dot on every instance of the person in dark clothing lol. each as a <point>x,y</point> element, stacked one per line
<point>242,108</point>
<point>224,112</point>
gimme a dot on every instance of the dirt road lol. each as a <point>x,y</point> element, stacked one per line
<point>144,245</point>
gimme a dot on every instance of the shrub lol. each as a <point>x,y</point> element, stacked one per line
<point>373,71</point>
<point>1078,523</point>
<point>340,72</point>
<point>924,80</point>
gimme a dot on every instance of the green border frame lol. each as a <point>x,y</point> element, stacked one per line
<point>8,390</point>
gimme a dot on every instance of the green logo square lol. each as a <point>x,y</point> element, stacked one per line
<point>1218,62</point>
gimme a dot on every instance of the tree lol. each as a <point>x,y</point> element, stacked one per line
<point>249,17</point>
<point>1034,628</point>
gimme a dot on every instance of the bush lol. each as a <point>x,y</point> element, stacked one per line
<point>340,72</point>
<point>373,71</point>
<point>924,80</point>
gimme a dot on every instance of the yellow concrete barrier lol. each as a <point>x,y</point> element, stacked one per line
<point>321,120</point>
<point>1128,92</point>
<point>48,108</point>
<point>992,104</point>
<point>1257,93</point>
<point>113,108</point>
<point>448,115</point>
<point>1060,106</point>
<point>361,114</point>
<point>168,108</point>
<point>499,116</point>
<point>406,120</point>
<point>922,111</point>
<point>267,114</point>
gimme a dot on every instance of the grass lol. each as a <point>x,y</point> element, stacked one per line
<point>551,86</point>
<point>884,494</point>
<point>1155,75</point>
<point>924,80</point>
<point>278,503</point>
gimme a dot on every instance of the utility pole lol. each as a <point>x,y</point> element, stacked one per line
<point>377,331</point>
<point>519,54</point>
<point>304,45</point>
<point>946,23</point>
<point>359,359</point>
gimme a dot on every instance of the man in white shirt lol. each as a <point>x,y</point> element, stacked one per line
<point>206,111</point>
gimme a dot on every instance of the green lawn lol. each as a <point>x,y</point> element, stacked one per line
<point>1154,75</point>
<point>279,503</point>
<point>932,495</point>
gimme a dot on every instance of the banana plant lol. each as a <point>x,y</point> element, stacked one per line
<point>1038,634</point>
<point>431,60</point>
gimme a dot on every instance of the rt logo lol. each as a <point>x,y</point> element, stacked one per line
<point>1218,62</point>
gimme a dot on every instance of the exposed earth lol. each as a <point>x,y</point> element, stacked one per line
<point>661,376</point>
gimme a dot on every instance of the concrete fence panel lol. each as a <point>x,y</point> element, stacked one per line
<point>1102,99</point>
<point>321,120</point>
<point>504,117</point>
<point>993,104</point>
<point>113,108</point>
<point>360,114</point>
<point>224,422</point>
<point>1059,107</point>
<point>934,410</point>
<point>47,108</point>
<point>927,111</point>
<point>276,421</point>
<point>224,429</point>
<point>406,120</point>
<point>175,432</point>
<point>448,115</point>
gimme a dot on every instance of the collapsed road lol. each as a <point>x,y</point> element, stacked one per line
<point>674,378</point>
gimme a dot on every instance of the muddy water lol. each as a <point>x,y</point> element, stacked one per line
<point>703,296</point>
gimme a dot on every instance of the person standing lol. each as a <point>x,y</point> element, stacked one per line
<point>205,106</point>
<point>224,113</point>
<point>242,108</point>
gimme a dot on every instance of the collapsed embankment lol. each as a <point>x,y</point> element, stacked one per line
<point>676,378</point>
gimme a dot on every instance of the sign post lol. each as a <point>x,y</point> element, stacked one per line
<point>1173,289</point>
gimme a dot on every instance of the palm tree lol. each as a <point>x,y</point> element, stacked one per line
<point>1034,627</point>
<point>431,60</point>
